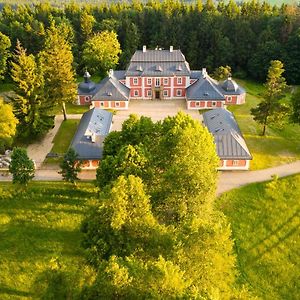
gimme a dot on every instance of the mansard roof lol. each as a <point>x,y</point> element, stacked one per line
<point>229,141</point>
<point>230,87</point>
<point>205,88</point>
<point>93,127</point>
<point>112,89</point>
<point>158,63</point>
<point>87,87</point>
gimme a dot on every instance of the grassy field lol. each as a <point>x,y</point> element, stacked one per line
<point>62,140</point>
<point>279,146</point>
<point>39,233</point>
<point>265,222</point>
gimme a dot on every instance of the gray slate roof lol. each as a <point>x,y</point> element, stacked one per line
<point>229,141</point>
<point>111,89</point>
<point>158,63</point>
<point>205,88</point>
<point>95,122</point>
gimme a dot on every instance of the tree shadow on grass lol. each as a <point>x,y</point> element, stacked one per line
<point>9,291</point>
<point>28,242</point>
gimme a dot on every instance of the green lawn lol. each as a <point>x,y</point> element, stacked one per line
<point>279,146</point>
<point>266,228</point>
<point>62,139</point>
<point>39,232</point>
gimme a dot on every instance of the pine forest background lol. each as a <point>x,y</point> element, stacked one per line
<point>245,36</point>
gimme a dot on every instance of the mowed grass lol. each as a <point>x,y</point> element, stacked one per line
<point>62,140</point>
<point>279,146</point>
<point>265,221</point>
<point>38,227</point>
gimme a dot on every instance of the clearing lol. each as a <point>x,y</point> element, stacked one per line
<point>265,223</point>
<point>38,230</point>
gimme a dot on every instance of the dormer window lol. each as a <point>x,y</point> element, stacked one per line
<point>109,94</point>
<point>158,68</point>
<point>178,68</point>
<point>205,94</point>
<point>139,68</point>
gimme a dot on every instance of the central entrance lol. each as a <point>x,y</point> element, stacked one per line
<point>157,95</point>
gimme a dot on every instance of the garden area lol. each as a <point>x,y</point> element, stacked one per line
<point>62,140</point>
<point>40,237</point>
<point>265,223</point>
<point>279,146</point>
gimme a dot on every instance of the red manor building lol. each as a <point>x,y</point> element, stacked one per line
<point>159,75</point>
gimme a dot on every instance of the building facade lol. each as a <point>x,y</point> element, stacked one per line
<point>159,75</point>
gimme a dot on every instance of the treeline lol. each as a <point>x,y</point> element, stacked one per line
<point>246,36</point>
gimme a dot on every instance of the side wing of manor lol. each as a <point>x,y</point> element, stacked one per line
<point>159,75</point>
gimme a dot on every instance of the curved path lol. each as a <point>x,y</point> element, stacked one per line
<point>227,180</point>
<point>231,179</point>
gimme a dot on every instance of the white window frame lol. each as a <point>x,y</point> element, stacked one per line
<point>179,80</point>
<point>149,93</point>
<point>136,93</point>
<point>135,81</point>
<point>117,104</point>
<point>157,82</point>
<point>214,104</point>
<point>178,93</point>
<point>87,99</point>
<point>101,104</point>
<point>235,163</point>
<point>166,93</point>
<point>198,103</point>
<point>229,99</point>
<point>166,81</point>
<point>149,81</point>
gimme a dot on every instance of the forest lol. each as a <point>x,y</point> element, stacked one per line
<point>245,36</point>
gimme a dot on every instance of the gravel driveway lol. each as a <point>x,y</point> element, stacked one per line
<point>156,110</point>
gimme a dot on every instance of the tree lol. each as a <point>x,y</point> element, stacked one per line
<point>222,73</point>
<point>21,166</point>
<point>29,105</point>
<point>5,44</point>
<point>87,22</point>
<point>270,109</point>
<point>70,166</point>
<point>8,124</point>
<point>296,106</point>
<point>101,52</point>
<point>57,60</point>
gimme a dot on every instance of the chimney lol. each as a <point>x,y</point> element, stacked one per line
<point>171,48</point>
<point>204,73</point>
<point>144,49</point>
<point>93,137</point>
<point>110,73</point>
<point>229,77</point>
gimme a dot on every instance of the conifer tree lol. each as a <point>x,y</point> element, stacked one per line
<point>70,167</point>
<point>57,63</point>
<point>270,110</point>
<point>296,106</point>
<point>21,166</point>
<point>29,105</point>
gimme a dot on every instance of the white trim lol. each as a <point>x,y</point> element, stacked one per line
<point>135,81</point>
<point>179,80</point>
<point>178,93</point>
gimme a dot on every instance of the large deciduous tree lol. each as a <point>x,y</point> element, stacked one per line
<point>8,124</point>
<point>21,166</point>
<point>29,104</point>
<point>154,234</point>
<point>5,44</point>
<point>270,110</point>
<point>57,63</point>
<point>101,52</point>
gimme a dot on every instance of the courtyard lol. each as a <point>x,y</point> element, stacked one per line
<point>155,109</point>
